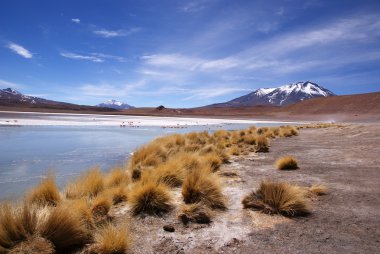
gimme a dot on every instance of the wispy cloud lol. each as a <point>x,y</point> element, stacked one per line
<point>20,50</point>
<point>75,56</point>
<point>211,92</point>
<point>7,84</point>
<point>93,57</point>
<point>115,33</point>
<point>76,20</point>
<point>106,90</point>
<point>106,56</point>
<point>193,6</point>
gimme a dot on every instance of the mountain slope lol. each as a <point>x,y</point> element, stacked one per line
<point>115,105</point>
<point>14,99</point>
<point>280,96</point>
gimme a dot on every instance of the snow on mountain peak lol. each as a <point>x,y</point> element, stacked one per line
<point>11,90</point>
<point>114,104</point>
<point>280,96</point>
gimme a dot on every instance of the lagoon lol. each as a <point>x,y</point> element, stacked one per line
<point>29,152</point>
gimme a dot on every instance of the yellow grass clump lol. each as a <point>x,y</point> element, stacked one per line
<point>45,193</point>
<point>33,245</point>
<point>286,163</point>
<point>262,144</point>
<point>116,177</point>
<point>150,198</point>
<point>87,185</point>
<point>318,189</point>
<point>16,224</point>
<point>101,205</point>
<point>65,229</point>
<point>197,212</point>
<point>202,186</point>
<point>149,155</point>
<point>110,239</point>
<point>118,194</point>
<point>213,161</point>
<point>82,208</point>
<point>280,198</point>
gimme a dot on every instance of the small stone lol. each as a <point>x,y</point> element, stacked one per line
<point>169,228</point>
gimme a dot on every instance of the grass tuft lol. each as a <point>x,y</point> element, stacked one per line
<point>16,224</point>
<point>262,144</point>
<point>286,163</point>
<point>197,212</point>
<point>280,198</point>
<point>33,245</point>
<point>87,185</point>
<point>150,198</point>
<point>45,193</point>
<point>202,186</point>
<point>110,239</point>
<point>116,177</point>
<point>65,229</point>
<point>318,189</point>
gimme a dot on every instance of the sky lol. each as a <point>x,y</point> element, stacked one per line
<point>181,53</point>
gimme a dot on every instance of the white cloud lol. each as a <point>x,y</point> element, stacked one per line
<point>193,6</point>
<point>106,56</point>
<point>20,50</point>
<point>115,33</point>
<point>7,84</point>
<point>211,92</point>
<point>108,90</point>
<point>76,20</point>
<point>81,57</point>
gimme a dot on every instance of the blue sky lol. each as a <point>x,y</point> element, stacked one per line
<point>185,53</point>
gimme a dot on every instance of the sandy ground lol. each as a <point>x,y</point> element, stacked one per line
<point>346,220</point>
<point>64,119</point>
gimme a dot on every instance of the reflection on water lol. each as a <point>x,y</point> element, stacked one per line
<point>27,153</point>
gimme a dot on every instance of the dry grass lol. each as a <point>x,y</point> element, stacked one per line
<point>116,177</point>
<point>65,229</point>
<point>83,208</point>
<point>16,224</point>
<point>45,193</point>
<point>234,150</point>
<point>286,163</point>
<point>150,198</point>
<point>33,245</point>
<point>118,194</point>
<point>110,239</point>
<point>262,144</point>
<point>280,198</point>
<point>87,185</point>
<point>202,186</point>
<point>318,189</point>
<point>149,155</point>
<point>101,205</point>
<point>213,161</point>
<point>197,212</point>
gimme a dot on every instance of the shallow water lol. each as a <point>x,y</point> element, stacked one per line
<point>28,153</point>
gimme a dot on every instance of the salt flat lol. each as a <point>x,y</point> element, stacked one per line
<point>64,119</point>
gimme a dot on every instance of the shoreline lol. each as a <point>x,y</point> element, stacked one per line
<point>66,119</point>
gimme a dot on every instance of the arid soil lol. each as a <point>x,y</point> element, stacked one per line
<point>346,220</point>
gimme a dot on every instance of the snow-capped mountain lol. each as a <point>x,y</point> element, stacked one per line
<point>115,104</point>
<point>11,98</point>
<point>9,95</point>
<point>280,96</point>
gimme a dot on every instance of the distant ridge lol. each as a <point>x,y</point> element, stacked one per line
<point>10,97</point>
<point>115,105</point>
<point>280,96</point>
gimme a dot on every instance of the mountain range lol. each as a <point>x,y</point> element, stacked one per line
<point>11,98</point>
<point>280,96</point>
<point>115,105</point>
